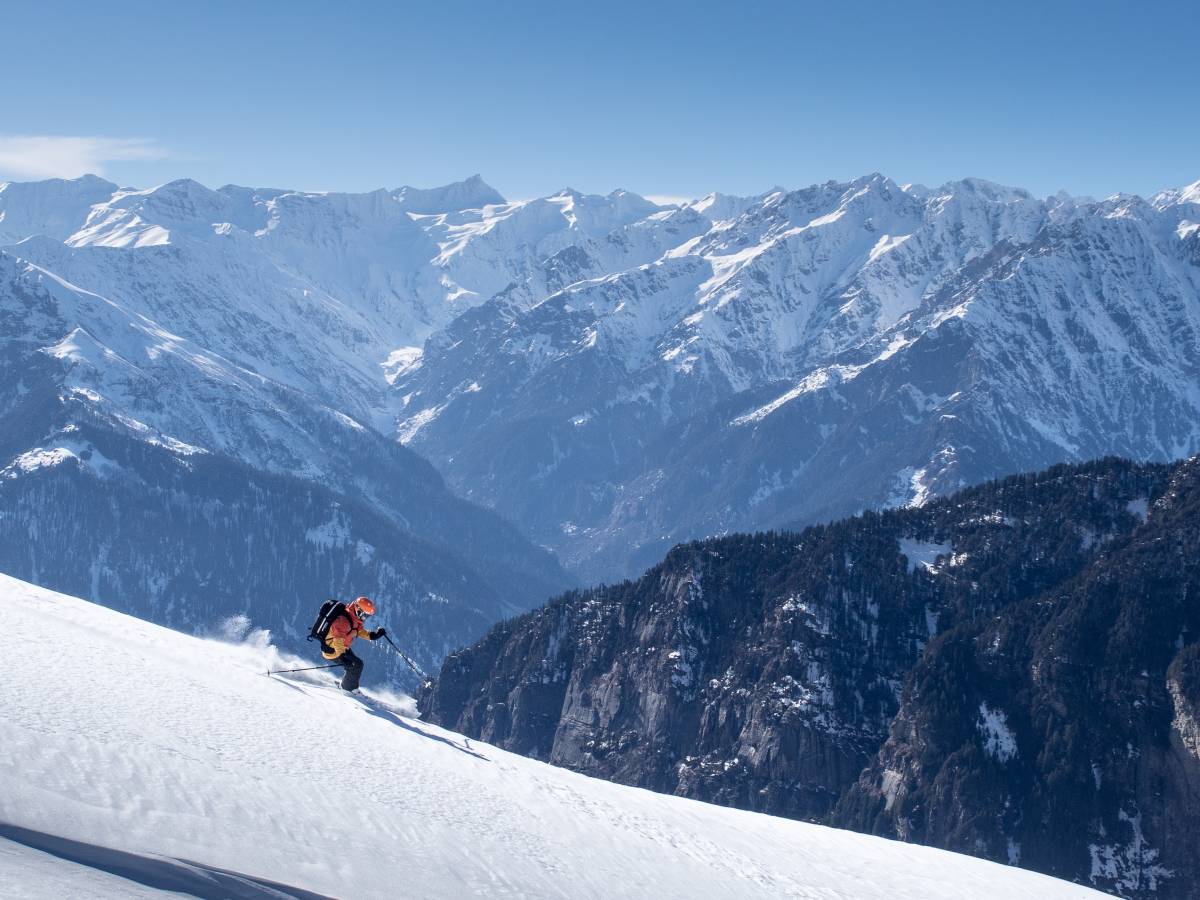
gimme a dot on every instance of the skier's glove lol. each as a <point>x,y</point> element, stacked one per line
<point>378,633</point>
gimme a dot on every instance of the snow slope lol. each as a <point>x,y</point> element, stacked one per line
<point>161,759</point>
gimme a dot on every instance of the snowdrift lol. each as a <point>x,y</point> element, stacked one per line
<point>136,759</point>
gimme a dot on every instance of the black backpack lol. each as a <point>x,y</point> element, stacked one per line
<point>328,613</point>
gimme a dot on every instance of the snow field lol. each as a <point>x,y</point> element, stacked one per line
<point>124,735</point>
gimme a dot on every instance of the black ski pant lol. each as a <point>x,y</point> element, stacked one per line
<point>353,666</point>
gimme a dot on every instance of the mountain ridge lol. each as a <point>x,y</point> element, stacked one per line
<point>1071,326</point>
<point>174,461</point>
<point>616,376</point>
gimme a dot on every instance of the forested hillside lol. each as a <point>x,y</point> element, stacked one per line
<point>842,674</point>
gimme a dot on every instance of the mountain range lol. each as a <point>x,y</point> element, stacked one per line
<point>589,377</point>
<point>774,361</point>
<point>190,431</point>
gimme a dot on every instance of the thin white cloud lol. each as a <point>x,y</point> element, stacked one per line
<point>55,156</point>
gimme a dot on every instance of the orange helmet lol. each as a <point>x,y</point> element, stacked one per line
<point>363,607</point>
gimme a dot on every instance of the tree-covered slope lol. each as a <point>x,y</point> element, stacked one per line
<point>781,671</point>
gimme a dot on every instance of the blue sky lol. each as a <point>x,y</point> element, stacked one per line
<point>661,98</point>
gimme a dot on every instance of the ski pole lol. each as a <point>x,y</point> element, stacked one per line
<point>305,669</point>
<point>404,656</point>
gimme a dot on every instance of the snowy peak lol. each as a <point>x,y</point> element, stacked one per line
<point>596,215</point>
<point>723,207</point>
<point>1191,193</point>
<point>147,218</point>
<point>758,329</point>
<point>986,190</point>
<point>54,208</point>
<point>473,193</point>
<point>1187,195</point>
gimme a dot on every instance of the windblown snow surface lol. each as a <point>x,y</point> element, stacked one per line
<point>134,759</point>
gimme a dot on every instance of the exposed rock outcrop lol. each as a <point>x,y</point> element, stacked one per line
<point>1010,672</point>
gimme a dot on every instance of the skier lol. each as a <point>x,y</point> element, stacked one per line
<point>341,633</point>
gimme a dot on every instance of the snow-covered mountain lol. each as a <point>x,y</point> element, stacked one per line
<point>615,376</point>
<point>814,353</point>
<point>323,293</point>
<point>190,435</point>
<point>135,760</point>
<point>197,405</point>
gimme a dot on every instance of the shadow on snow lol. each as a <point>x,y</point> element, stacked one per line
<point>162,873</point>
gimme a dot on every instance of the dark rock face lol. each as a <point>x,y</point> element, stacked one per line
<point>1062,733</point>
<point>1010,672</point>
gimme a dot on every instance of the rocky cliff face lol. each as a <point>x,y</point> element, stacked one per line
<point>965,674</point>
<point>1061,734</point>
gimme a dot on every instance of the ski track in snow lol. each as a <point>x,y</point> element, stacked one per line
<point>128,737</point>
